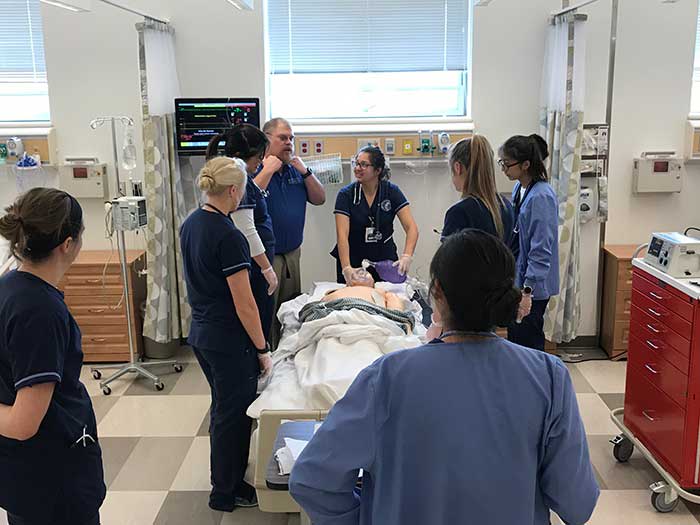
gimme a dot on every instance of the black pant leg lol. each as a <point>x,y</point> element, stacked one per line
<point>233,379</point>
<point>530,332</point>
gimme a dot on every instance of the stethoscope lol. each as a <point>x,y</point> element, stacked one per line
<point>518,203</point>
<point>373,221</point>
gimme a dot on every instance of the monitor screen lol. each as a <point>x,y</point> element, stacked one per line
<point>200,119</point>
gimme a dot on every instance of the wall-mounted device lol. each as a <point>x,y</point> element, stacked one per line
<point>674,254</point>
<point>658,172</point>
<point>129,213</point>
<point>364,142</point>
<point>588,204</point>
<point>84,177</point>
<point>425,143</point>
<point>15,149</point>
<point>444,142</point>
<point>197,120</point>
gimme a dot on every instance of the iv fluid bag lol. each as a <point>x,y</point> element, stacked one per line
<point>129,150</point>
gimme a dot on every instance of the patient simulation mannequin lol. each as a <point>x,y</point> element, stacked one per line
<point>366,293</point>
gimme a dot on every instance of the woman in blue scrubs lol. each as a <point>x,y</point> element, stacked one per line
<point>481,207</point>
<point>364,218</point>
<point>535,240</point>
<point>249,144</point>
<point>226,333</point>
<point>50,459</point>
<point>469,428</point>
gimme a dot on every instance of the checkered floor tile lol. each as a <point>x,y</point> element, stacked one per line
<point>156,453</point>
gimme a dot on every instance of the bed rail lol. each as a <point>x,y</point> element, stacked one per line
<point>268,425</point>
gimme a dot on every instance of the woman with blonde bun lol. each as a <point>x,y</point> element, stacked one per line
<point>226,333</point>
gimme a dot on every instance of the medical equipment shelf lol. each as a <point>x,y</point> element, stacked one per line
<point>661,417</point>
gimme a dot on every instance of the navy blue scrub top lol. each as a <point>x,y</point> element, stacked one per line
<point>286,202</point>
<point>212,250</point>
<point>40,342</point>
<point>470,212</point>
<point>255,200</point>
<point>352,203</point>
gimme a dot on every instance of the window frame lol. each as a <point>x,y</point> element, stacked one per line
<point>351,125</point>
<point>38,128</point>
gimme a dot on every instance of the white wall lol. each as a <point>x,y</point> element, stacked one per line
<point>651,104</point>
<point>93,70</point>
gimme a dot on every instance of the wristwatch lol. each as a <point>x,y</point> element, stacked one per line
<point>527,290</point>
<point>264,350</point>
<point>308,173</point>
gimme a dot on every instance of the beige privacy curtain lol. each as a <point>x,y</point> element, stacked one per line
<point>561,125</point>
<point>167,310</point>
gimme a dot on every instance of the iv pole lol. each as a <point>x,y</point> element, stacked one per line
<point>133,366</point>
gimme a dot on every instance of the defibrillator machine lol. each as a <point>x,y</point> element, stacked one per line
<point>674,254</point>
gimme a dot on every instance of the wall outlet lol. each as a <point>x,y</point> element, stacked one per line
<point>318,147</point>
<point>304,147</point>
<point>390,146</point>
<point>361,143</point>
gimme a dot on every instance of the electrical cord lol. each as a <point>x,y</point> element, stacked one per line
<point>692,228</point>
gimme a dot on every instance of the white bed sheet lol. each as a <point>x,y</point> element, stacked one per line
<point>316,362</point>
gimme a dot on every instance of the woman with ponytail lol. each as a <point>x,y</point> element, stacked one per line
<point>472,166</point>
<point>470,427</point>
<point>364,219</point>
<point>535,240</point>
<point>249,144</point>
<point>226,334</point>
<point>50,458</point>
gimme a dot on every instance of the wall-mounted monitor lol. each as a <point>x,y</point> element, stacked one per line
<point>197,120</point>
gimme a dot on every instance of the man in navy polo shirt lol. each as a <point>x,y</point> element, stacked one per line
<point>288,192</point>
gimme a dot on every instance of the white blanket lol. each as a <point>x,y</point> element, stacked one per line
<point>315,363</point>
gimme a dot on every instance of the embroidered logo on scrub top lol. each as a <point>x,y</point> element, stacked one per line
<point>386,205</point>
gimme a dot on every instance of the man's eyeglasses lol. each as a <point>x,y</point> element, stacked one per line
<point>283,138</point>
<point>505,166</point>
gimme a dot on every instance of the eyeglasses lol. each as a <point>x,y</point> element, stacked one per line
<point>505,166</point>
<point>362,165</point>
<point>283,138</point>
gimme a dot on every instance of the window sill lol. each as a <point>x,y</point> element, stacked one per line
<point>34,129</point>
<point>367,127</point>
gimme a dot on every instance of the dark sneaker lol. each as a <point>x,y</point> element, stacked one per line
<point>247,503</point>
<point>222,504</point>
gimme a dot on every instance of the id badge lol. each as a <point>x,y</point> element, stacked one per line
<point>372,235</point>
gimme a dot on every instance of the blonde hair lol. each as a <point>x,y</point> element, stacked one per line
<point>220,173</point>
<point>476,157</point>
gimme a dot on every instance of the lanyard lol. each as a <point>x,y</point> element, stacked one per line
<point>217,210</point>
<point>517,201</point>
<point>373,221</point>
<point>463,333</point>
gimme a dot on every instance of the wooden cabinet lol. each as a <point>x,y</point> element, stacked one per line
<point>662,394</point>
<point>94,293</point>
<point>617,299</point>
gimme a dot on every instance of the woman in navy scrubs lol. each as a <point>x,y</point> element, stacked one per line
<point>536,235</point>
<point>364,218</point>
<point>249,144</point>
<point>50,460</point>
<point>481,207</point>
<point>226,333</point>
<point>470,428</point>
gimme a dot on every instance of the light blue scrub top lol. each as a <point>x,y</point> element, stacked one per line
<point>482,432</point>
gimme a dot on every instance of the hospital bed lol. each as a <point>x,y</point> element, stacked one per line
<point>314,365</point>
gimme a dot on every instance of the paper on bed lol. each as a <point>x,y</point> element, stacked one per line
<point>288,455</point>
